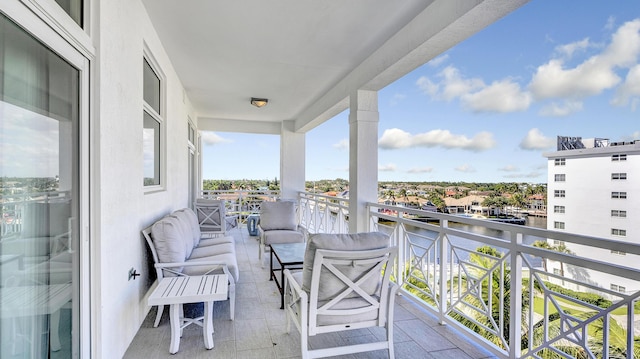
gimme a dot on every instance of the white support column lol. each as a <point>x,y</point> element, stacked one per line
<point>292,161</point>
<point>363,157</point>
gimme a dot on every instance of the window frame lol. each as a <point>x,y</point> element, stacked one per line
<point>618,232</point>
<point>559,209</point>
<point>619,157</point>
<point>559,177</point>
<point>558,225</point>
<point>618,213</point>
<point>158,117</point>
<point>560,161</point>
<point>619,195</point>
<point>559,193</point>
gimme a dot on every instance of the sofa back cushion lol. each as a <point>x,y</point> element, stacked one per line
<point>167,238</point>
<point>278,215</point>
<point>189,217</point>
<point>329,284</point>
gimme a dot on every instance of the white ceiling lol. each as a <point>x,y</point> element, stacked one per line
<point>305,56</point>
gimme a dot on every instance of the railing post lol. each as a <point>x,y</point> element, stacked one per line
<point>442,287</point>
<point>515,304</point>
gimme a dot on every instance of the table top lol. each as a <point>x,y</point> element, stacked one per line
<point>289,253</point>
<point>193,289</point>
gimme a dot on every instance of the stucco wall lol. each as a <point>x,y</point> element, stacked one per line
<point>122,206</point>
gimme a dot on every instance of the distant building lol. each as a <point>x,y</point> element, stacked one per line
<point>594,189</point>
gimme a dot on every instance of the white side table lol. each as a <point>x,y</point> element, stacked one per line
<point>176,291</point>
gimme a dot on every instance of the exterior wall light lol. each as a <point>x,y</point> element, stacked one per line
<point>259,102</point>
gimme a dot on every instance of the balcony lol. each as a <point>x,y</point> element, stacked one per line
<point>554,314</point>
<point>258,330</point>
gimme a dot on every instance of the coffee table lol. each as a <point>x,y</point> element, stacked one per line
<point>288,256</point>
<point>176,291</point>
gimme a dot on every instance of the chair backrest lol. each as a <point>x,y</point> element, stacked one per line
<point>347,280</point>
<point>211,215</point>
<point>280,215</point>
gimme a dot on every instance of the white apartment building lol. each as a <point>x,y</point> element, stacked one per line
<point>594,190</point>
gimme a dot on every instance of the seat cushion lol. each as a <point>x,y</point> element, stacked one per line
<point>212,250</point>
<point>215,241</point>
<point>226,258</point>
<point>278,215</point>
<point>283,236</point>
<point>167,239</point>
<point>330,285</point>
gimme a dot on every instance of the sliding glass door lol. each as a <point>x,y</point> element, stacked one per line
<point>40,197</point>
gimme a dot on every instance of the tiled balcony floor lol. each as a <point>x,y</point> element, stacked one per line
<point>259,331</point>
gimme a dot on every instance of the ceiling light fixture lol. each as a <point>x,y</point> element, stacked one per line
<point>259,102</point>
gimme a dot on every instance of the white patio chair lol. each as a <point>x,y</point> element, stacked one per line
<point>211,216</point>
<point>278,224</point>
<point>344,285</point>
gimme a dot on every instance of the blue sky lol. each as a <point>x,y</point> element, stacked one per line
<point>487,109</point>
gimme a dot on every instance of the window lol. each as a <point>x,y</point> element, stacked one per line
<point>558,209</point>
<point>559,193</point>
<point>559,161</point>
<point>618,288</point>
<point>556,271</point>
<point>618,232</point>
<point>152,126</point>
<point>619,195</point>
<point>558,243</point>
<point>618,213</point>
<point>616,158</point>
<point>559,177</point>
<point>73,8</point>
<point>618,176</point>
<point>618,253</point>
<point>558,225</point>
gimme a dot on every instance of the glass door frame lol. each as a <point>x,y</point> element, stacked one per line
<point>42,30</point>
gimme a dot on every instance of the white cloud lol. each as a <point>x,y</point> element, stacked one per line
<point>421,170</point>
<point>509,168</point>
<point>565,108</point>
<point>629,90</point>
<point>438,60</point>
<point>594,75</point>
<point>632,137</point>
<point>427,86</point>
<point>397,98</point>
<point>389,167</point>
<point>611,21</point>
<point>212,138</point>
<point>536,140</point>
<point>466,168</point>
<point>341,145</point>
<point>524,175</point>
<point>501,96</point>
<point>454,85</point>
<point>569,49</point>
<point>396,138</point>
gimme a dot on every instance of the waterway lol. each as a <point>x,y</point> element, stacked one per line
<point>466,246</point>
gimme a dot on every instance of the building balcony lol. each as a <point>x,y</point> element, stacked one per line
<point>503,297</point>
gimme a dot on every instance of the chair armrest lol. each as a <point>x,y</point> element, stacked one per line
<point>214,265</point>
<point>296,302</point>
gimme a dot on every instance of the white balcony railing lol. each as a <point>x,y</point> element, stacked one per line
<point>489,280</point>
<point>242,203</point>
<point>324,214</point>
